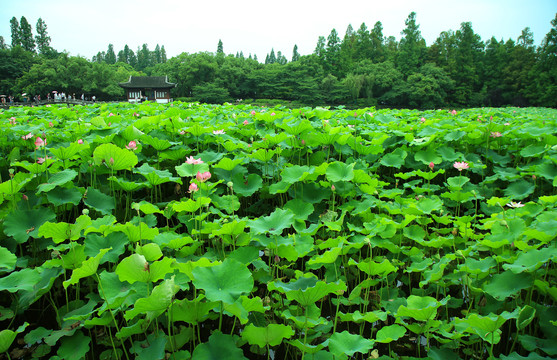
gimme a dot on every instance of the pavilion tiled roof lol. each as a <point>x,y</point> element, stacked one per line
<point>147,82</point>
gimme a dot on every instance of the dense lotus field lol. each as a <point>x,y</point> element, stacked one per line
<point>230,232</point>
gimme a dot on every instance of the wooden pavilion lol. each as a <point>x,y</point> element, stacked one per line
<point>152,88</point>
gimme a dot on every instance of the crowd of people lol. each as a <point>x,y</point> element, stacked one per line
<point>50,97</point>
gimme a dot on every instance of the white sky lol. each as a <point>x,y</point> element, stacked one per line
<point>255,26</point>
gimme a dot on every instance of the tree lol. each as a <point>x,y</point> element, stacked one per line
<point>143,57</point>
<point>16,35</point>
<point>546,68</point>
<point>412,47</point>
<point>110,57</point>
<point>163,54</point>
<point>3,45</point>
<point>295,54</point>
<point>363,41</point>
<point>348,49</point>
<point>157,56</point>
<point>220,49</point>
<point>271,58</point>
<point>320,48</point>
<point>26,35</point>
<point>377,43</point>
<point>467,66</point>
<point>526,38</point>
<point>332,53</point>
<point>42,39</point>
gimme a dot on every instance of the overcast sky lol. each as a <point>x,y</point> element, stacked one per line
<point>255,26</point>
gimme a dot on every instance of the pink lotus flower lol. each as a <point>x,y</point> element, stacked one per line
<point>431,165</point>
<point>219,132</point>
<point>182,132</point>
<point>303,142</point>
<point>12,120</point>
<point>461,165</point>
<point>253,112</point>
<point>272,114</point>
<point>42,160</point>
<point>453,112</point>
<point>191,160</point>
<point>27,137</point>
<point>40,142</point>
<point>496,134</point>
<point>245,122</point>
<point>203,176</point>
<point>515,205</point>
<point>193,188</point>
<point>132,145</point>
<point>422,119</point>
<point>135,114</point>
<point>50,124</point>
<point>80,141</point>
<point>506,124</point>
<point>111,114</point>
<point>491,118</point>
<point>333,188</point>
<point>355,114</point>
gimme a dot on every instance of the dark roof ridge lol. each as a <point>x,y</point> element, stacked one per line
<point>147,82</point>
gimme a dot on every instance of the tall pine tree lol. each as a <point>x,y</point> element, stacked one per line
<point>16,35</point>
<point>26,35</point>
<point>42,39</point>
<point>412,47</point>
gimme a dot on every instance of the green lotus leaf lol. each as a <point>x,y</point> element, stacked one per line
<point>428,205</point>
<point>74,347</point>
<point>22,224</point>
<point>151,251</point>
<point>7,337</point>
<point>63,195</point>
<point>65,153</point>
<point>339,171</point>
<point>15,184</point>
<point>156,143</point>
<point>531,356</point>
<point>531,260</point>
<point>227,164</point>
<point>7,259</point>
<point>156,177</point>
<point>136,268</point>
<point>152,348</point>
<point>454,135</point>
<point>126,185</point>
<point>395,159</point>
<point>420,308</point>
<point>192,311</point>
<point>532,150</point>
<point>547,170</point>
<point>390,333</point>
<point>99,201</point>
<point>533,344</point>
<point>428,156</point>
<point>24,279</point>
<point>263,155</point>
<point>147,208</point>
<point>219,347</point>
<point>306,290</point>
<point>299,208</point>
<point>190,170</point>
<point>373,268</point>
<point>191,205</point>
<point>228,203</point>
<point>414,232</point>
<point>276,222</point>
<point>520,189</point>
<point>63,231</point>
<point>345,343</point>
<point>246,186</point>
<point>295,173</point>
<point>328,257</point>
<point>224,282</point>
<point>156,303</point>
<point>114,157</point>
<point>60,178</point>
<point>271,335</point>
<point>87,268</point>
<point>507,283</point>
<point>525,317</point>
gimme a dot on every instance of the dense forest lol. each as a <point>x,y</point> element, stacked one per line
<point>363,68</point>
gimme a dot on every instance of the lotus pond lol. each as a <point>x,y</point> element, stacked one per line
<point>196,231</point>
